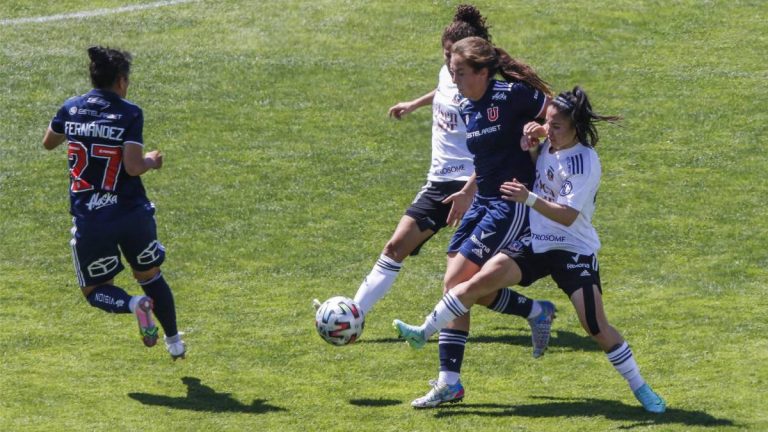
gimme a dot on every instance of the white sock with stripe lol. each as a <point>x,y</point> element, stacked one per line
<point>624,362</point>
<point>447,309</point>
<point>378,282</point>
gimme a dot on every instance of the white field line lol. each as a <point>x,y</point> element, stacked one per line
<point>91,13</point>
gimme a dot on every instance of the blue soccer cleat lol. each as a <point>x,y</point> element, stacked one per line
<point>651,401</point>
<point>412,334</point>
<point>541,328</point>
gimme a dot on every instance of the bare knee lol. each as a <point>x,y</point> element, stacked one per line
<point>394,250</point>
<point>143,275</point>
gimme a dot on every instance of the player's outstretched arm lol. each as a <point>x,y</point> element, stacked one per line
<point>403,108</point>
<point>137,163</point>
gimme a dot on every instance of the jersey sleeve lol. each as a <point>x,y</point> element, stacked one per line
<point>57,123</point>
<point>528,100</point>
<point>583,180</point>
<point>134,133</point>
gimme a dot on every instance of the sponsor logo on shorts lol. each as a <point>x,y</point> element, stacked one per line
<point>481,248</point>
<point>577,266</point>
<point>151,254</point>
<point>585,273</point>
<point>103,266</point>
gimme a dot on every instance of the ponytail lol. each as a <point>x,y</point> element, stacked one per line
<point>514,70</point>
<point>576,106</point>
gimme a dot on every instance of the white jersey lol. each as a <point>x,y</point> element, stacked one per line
<point>450,158</point>
<point>568,177</point>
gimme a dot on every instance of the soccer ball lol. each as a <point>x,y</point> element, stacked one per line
<point>339,321</point>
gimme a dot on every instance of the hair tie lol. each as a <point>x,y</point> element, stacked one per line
<point>560,100</point>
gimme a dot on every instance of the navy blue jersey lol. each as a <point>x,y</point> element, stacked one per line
<point>494,128</point>
<point>97,125</point>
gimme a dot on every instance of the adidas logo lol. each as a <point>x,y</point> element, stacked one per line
<point>478,252</point>
<point>585,273</point>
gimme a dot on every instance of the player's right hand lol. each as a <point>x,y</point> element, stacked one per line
<point>156,157</point>
<point>401,109</point>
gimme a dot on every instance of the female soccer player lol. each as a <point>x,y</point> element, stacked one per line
<point>563,244</point>
<point>447,195</point>
<point>494,113</point>
<point>110,209</point>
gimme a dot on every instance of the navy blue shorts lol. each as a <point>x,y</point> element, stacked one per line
<point>97,246</point>
<point>490,224</point>
<point>570,271</point>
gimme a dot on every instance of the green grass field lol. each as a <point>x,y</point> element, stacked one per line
<point>284,177</point>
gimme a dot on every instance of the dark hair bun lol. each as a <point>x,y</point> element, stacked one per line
<point>97,54</point>
<point>469,14</point>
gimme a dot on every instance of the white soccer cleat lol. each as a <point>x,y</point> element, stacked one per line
<point>439,394</point>
<point>176,347</point>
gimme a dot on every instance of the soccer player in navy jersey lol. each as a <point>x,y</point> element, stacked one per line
<point>447,195</point>
<point>110,209</point>
<point>563,241</point>
<point>494,113</point>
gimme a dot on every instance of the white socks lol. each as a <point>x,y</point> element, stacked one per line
<point>447,309</point>
<point>624,363</point>
<point>378,282</point>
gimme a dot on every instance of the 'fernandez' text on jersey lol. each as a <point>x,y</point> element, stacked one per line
<point>494,128</point>
<point>97,125</point>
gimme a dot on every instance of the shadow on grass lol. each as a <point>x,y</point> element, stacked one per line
<point>374,402</point>
<point>559,339</point>
<point>566,407</point>
<point>203,398</point>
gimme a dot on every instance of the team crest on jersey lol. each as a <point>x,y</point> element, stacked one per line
<point>550,174</point>
<point>567,188</point>
<point>493,113</point>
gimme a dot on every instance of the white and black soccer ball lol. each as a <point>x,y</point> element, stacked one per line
<point>339,321</point>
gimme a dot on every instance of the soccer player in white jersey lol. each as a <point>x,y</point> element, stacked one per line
<point>447,195</point>
<point>563,242</point>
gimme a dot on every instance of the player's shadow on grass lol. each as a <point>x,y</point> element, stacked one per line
<point>559,339</point>
<point>203,398</point>
<point>568,407</point>
<point>374,402</point>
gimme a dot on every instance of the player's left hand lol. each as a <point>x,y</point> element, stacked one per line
<point>513,191</point>
<point>460,202</point>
